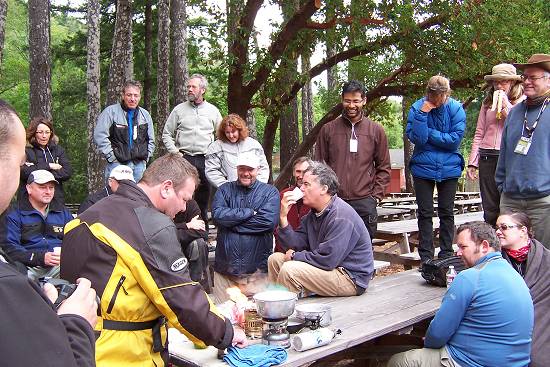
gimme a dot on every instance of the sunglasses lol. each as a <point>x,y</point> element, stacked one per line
<point>504,227</point>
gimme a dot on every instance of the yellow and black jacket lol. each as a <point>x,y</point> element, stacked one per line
<point>131,254</point>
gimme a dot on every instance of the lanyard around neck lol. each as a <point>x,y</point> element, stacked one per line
<point>531,130</point>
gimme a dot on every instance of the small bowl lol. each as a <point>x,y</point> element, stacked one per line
<point>315,312</point>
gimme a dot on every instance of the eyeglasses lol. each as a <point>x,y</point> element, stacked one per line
<point>532,78</point>
<point>504,226</point>
<point>47,132</point>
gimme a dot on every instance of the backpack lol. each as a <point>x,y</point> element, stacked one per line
<point>434,271</point>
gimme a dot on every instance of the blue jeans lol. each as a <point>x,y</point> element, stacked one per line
<point>137,168</point>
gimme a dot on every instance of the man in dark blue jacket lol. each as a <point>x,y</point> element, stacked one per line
<point>330,253</point>
<point>246,212</point>
<point>34,228</point>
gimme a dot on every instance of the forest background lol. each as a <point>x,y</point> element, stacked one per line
<point>68,60</point>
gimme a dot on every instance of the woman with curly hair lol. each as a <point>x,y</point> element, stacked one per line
<point>44,152</point>
<point>222,154</point>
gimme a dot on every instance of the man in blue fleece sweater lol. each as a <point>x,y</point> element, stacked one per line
<point>486,317</point>
<point>330,253</point>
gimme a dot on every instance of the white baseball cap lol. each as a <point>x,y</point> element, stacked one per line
<point>249,159</point>
<point>122,172</point>
<point>41,176</point>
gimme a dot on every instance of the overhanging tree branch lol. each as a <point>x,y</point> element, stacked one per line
<point>239,46</point>
<point>279,45</point>
<point>360,50</point>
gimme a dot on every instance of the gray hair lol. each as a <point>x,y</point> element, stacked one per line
<point>325,176</point>
<point>131,83</point>
<point>479,232</point>
<point>203,82</point>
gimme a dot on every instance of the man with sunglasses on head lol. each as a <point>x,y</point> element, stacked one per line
<point>523,168</point>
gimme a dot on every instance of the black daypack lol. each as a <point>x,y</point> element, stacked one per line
<point>435,271</point>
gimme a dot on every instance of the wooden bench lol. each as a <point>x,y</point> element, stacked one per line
<point>460,206</point>
<point>391,304</point>
<point>400,231</point>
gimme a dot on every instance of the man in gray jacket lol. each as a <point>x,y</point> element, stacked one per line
<point>124,132</point>
<point>189,130</point>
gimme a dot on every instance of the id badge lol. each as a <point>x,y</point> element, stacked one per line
<point>135,132</point>
<point>353,145</point>
<point>523,145</point>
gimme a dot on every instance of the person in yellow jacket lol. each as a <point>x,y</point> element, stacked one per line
<point>126,244</point>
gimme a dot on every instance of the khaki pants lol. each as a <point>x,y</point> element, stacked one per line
<point>305,279</point>
<point>424,357</point>
<point>248,285</point>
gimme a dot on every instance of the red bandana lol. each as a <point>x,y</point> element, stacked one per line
<point>520,255</point>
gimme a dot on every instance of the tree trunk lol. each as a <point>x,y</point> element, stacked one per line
<point>251,124</point>
<point>39,59</point>
<point>147,78</point>
<point>3,12</point>
<point>307,101</point>
<point>332,73</point>
<point>121,56</point>
<point>408,146</point>
<point>96,164</point>
<point>289,132</point>
<point>179,38</point>
<point>163,71</point>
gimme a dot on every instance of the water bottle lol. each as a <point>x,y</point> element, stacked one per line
<point>313,339</point>
<point>451,274</point>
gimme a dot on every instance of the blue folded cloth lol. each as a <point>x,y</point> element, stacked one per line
<point>257,355</point>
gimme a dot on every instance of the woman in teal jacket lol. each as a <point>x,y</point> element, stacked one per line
<point>436,125</point>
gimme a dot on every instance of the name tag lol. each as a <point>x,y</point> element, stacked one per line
<point>523,145</point>
<point>353,145</point>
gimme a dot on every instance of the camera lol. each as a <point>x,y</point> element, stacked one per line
<point>64,289</point>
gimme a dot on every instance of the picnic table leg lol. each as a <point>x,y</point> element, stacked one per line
<point>404,246</point>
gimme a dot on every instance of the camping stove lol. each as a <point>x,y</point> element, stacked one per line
<point>275,332</point>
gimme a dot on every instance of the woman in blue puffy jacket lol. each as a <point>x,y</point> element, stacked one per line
<point>436,125</point>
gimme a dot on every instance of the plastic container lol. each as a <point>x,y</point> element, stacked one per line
<point>312,339</point>
<point>451,274</point>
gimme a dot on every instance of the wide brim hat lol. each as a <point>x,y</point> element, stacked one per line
<point>503,72</point>
<point>538,60</point>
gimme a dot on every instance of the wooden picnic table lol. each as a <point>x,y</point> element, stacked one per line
<point>391,213</point>
<point>391,303</point>
<point>460,206</point>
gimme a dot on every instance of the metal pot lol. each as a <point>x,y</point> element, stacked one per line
<point>315,312</point>
<point>275,304</point>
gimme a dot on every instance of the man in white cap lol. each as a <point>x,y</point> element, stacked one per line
<point>117,174</point>
<point>523,169</point>
<point>34,227</point>
<point>246,212</point>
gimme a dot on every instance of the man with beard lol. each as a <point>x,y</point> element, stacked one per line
<point>299,209</point>
<point>124,132</point>
<point>189,130</point>
<point>356,148</point>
